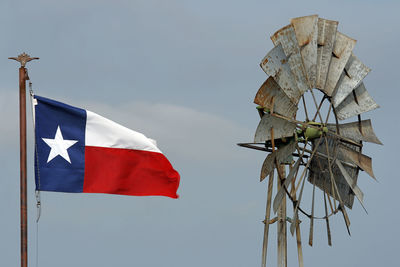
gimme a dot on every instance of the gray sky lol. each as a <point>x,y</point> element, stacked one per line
<point>185,73</point>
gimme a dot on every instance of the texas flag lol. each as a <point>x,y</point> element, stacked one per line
<point>80,151</point>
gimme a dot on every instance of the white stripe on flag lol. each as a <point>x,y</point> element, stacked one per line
<point>102,132</point>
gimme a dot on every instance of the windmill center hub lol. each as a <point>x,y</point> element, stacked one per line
<point>313,130</point>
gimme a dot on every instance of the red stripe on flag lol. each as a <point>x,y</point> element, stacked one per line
<point>129,172</point>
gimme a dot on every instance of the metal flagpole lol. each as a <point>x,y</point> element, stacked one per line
<point>23,77</point>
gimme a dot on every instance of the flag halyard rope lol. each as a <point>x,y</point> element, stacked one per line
<point>36,167</point>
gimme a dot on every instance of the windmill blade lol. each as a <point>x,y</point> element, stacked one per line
<point>271,96</point>
<point>275,64</point>
<point>357,131</point>
<point>281,193</point>
<point>320,175</point>
<point>325,41</point>
<point>354,72</point>
<point>284,153</point>
<point>287,38</point>
<point>282,128</point>
<point>279,156</point>
<point>362,161</point>
<point>268,165</point>
<point>306,31</point>
<point>356,190</point>
<point>340,55</point>
<point>356,103</point>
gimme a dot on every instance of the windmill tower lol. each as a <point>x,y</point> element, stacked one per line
<point>315,82</point>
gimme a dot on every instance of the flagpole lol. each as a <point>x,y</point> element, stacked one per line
<point>23,77</point>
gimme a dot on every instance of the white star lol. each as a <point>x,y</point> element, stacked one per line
<point>59,146</point>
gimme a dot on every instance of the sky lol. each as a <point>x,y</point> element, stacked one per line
<point>185,73</point>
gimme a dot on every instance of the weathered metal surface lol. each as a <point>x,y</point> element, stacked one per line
<point>352,131</point>
<point>345,215</point>
<point>328,229</point>
<point>319,170</point>
<point>306,31</point>
<point>284,153</point>
<point>282,128</point>
<point>282,227</point>
<point>325,41</point>
<point>23,59</point>
<point>279,155</point>
<point>356,190</point>
<point>354,72</point>
<point>287,38</point>
<point>295,219</point>
<point>267,217</point>
<point>299,247</point>
<point>281,193</point>
<point>340,55</point>
<point>275,64</point>
<point>302,181</point>
<point>361,160</point>
<point>268,165</point>
<point>271,96</point>
<point>311,235</point>
<point>356,103</point>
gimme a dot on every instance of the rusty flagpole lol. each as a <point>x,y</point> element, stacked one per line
<point>23,77</point>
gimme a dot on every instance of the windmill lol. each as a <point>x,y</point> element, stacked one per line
<point>315,82</point>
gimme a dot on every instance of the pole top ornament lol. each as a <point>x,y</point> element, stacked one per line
<point>23,59</point>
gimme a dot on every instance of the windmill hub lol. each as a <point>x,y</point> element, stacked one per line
<point>313,130</point>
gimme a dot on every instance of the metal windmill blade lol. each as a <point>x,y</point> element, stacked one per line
<point>275,64</point>
<point>306,30</point>
<point>356,103</point>
<point>287,38</point>
<point>314,82</point>
<point>320,171</point>
<point>340,55</point>
<point>326,40</point>
<point>357,131</point>
<point>353,73</point>
<point>271,97</point>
